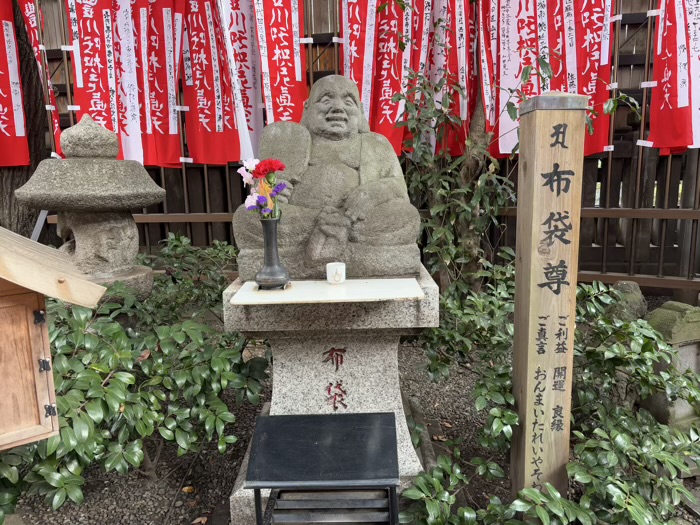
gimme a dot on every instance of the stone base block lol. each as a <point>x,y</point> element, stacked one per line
<point>242,500</point>
<point>342,373</point>
<point>679,412</point>
<point>680,325</point>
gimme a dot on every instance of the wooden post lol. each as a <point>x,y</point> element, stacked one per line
<point>552,129</point>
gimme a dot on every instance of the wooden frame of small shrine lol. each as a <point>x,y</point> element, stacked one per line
<point>28,272</point>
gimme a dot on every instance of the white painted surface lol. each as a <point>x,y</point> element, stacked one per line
<point>351,291</point>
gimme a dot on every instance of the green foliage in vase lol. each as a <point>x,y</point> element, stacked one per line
<point>132,375</point>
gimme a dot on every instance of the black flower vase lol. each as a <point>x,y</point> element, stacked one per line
<point>273,275</point>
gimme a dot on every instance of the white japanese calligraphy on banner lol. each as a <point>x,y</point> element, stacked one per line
<point>143,20</point>
<point>75,42</point>
<point>226,14</point>
<point>366,91</point>
<point>407,32</point>
<point>14,149</point>
<point>13,73</point>
<point>128,94</point>
<point>170,71</point>
<point>462,41</point>
<point>284,90</point>
<point>218,106</point>
<point>693,14</point>
<point>682,55</point>
<point>111,73</point>
<point>248,60</point>
<point>264,55</point>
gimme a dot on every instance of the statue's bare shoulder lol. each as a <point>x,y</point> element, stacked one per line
<point>288,142</point>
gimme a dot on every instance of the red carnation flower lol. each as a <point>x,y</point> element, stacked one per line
<point>266,167</point>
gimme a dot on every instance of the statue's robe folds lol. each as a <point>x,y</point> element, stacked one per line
<point>323,174</point>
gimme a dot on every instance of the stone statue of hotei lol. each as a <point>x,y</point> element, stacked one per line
<point>346,198</point>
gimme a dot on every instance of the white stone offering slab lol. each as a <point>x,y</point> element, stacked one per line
<point>351,291</point>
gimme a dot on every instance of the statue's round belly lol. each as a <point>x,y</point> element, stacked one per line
<point>323,186</point>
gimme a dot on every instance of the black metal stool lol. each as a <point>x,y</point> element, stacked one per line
<point>328,468</point>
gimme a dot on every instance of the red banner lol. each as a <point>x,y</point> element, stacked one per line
<point>488,60</point>
<point>211,134</point>
<point>573,36</point>
<point>389,74</point>
<point>128,87</point>
<point>238,17</point>
<point>14,150</point>
<point>671,119</point>
<point>693,17</point>
<point>422,26</point>
<point>160,28</point>
<point>91,26</point>
<point>285,87</point>
<point>32,19</point>
<point>593,34</point>
<point>359,32</point>
<point>460,69</point>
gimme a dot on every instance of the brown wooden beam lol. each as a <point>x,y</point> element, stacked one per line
<point>629,213</point>
<point>651,281</point>
<point>158,218</point>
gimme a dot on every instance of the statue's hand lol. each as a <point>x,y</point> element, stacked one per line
<point>330,236</point>
<point>333,223</point>
<point>365,197</point>
<point>286,193</point>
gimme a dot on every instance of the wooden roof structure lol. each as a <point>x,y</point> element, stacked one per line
<point>48,271</point>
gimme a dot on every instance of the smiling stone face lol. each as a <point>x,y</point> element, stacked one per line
<point>333,110</point>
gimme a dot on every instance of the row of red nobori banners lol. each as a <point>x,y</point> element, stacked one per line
<point>236,57</point>
<point>675,109</point>
<point>573,37</point>
<point>14,149</point>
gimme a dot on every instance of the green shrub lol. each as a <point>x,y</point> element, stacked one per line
<point>625,465</point>
<point>132,375</point>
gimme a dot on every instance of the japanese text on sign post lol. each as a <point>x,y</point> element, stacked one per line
<point>549,209</point>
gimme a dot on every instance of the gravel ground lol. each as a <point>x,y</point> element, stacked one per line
<point>450,404</point>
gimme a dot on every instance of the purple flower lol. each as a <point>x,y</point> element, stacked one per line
<point>278,189</point>
<point>262,201</point>
<point>266,211</point>
<point>251,208</point>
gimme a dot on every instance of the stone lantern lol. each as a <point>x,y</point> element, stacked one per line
<point>93,193</point>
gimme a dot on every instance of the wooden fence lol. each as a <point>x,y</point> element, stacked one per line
<point>640,211</point>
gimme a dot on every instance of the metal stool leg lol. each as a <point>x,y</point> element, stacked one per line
<point>258,508</point>
<point>393,506</point>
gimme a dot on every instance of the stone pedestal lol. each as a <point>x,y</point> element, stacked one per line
<point>335,347</point>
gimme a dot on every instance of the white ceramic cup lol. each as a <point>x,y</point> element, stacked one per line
<point>335,272</point>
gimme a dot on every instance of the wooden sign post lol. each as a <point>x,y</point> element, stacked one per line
<point>552,129</point>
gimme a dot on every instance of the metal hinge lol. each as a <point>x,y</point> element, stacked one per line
<point>39,316</point>
<point>50,410</point>
<point>44,365</point>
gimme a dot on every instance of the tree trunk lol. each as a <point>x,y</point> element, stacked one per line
<point>476,162</point>
<point>14,216</point>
